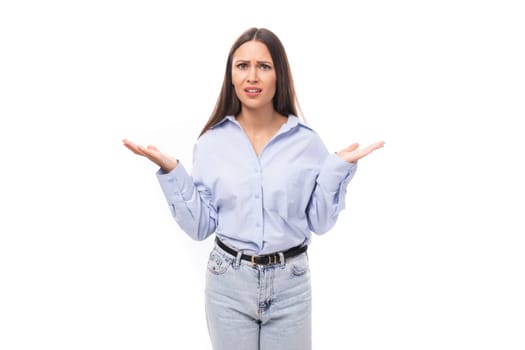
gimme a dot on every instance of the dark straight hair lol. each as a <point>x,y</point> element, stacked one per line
<point>285,100</point>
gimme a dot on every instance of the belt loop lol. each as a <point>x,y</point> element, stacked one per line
<point>281,259</point>
<point>237,260</point>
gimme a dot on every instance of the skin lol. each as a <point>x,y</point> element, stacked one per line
<point>253,70</point>
<point>254,81</point>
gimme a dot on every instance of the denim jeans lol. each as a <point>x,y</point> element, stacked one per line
<point>258,307</point>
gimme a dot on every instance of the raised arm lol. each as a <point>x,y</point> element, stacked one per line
<point>328,197</point>
<point>189,200</point>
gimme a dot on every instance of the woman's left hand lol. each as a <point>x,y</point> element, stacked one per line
<point>353,153</point>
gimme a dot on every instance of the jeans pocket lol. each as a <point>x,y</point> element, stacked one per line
<point>299,265</point>
<point>218,263</point>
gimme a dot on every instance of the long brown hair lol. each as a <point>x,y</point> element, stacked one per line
<point>285,100</point>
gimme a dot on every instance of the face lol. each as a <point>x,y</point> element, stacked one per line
<point>253,75</point>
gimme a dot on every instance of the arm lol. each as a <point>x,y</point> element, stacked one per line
<point>189,202</point>
<point>328,197</point>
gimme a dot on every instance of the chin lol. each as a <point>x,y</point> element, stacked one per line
<point>254,105</point>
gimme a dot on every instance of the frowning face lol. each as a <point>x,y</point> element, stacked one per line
<point>253,75</point>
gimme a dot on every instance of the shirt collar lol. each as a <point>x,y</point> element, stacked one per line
<point>229,117</point>
<point>291,123</point>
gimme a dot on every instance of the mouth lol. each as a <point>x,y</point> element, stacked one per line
<point>251,91</point>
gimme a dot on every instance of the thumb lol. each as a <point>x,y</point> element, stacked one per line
<point>352,147</point>
<point>153,148</point>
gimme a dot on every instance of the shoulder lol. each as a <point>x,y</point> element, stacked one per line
<point>216,129</point>
<point>217,134</point>
<point>299,124</point>
<point>303,135</point>
<point>304,129</point>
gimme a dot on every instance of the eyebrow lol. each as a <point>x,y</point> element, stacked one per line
<point>259,62</point>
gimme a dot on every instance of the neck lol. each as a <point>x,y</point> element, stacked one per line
<point>258,119</point>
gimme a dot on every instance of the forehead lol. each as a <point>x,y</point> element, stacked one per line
<point>252,50</point>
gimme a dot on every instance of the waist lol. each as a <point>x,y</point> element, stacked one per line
<point>266,259</point>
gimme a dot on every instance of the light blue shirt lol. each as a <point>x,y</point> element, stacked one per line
<point>258,204</point>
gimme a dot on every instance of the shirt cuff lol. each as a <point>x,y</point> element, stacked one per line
<point>176,182</point>
<point>335,173</point>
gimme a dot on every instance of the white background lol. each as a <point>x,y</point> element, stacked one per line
<point>429,253</point>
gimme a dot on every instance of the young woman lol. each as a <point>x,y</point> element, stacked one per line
<point>262,181</point>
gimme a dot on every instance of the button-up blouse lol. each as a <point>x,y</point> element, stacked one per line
<point>258,203</point>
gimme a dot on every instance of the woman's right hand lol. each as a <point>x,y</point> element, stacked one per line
<point>166,163</point>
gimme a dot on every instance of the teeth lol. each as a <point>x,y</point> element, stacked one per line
<point>253,90</point>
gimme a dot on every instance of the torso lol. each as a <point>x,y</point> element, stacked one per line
<point>260,138</point>
<point>261,200</point>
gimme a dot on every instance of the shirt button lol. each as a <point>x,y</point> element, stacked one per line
<point>257,225</point>
<point>256,195</point>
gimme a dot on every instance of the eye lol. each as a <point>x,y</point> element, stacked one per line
<point>242,65</point>
<point>265,66</point>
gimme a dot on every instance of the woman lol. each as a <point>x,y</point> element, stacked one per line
<point>262,181</point>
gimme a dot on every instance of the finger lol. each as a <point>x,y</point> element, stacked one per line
<point>151,147</point>
<point>152,154</point>
<point>151,151</point>
<point>379,144</point>
<point>128,143</point>
<point>131,146</point>
<point>352,147</point>
<point>144,151</point>
<point>371,148</point>
<point>375,146</point>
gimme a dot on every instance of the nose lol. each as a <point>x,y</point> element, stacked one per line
<point>252,75</point>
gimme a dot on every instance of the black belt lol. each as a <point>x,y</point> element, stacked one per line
<point>266,259</point>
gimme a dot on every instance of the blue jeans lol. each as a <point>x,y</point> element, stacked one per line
<point>258,307</point>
